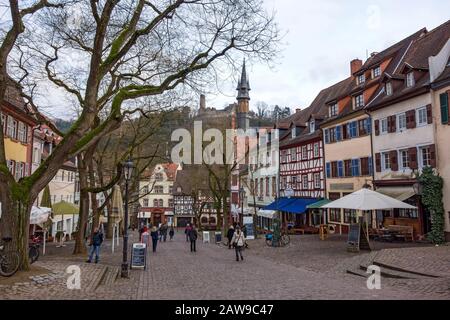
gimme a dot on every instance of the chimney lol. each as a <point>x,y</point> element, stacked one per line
<point>298,110</point>
<point>355,65</point>
<point>202,102</point>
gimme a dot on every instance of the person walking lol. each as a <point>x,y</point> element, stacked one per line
<point>154,235</point>
<point>192,234</point>
<point>145,237</point>
<point>171,233</point>
<point>164,228</point>
<point>96,242</point>
<point>230,234</point>
<point>238,242</point>
<point>186,231</point>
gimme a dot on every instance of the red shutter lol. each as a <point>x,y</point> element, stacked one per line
<point>378,162</point>
<point>377,127</point>
<point>429,114</point>
<point>411,119</point>
<point>433,155</point>
<point>393,123</point>
<point>389,123</point>
<point>412,154</point>
<point>394,160</point>
<point>348,169</point>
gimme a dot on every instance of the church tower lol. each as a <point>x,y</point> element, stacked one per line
<point>243,99</point>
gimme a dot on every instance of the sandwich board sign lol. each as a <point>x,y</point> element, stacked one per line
<point>139,256</point>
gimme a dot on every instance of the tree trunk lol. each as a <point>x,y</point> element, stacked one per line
<point>80,246</point>
<point>16,209</point>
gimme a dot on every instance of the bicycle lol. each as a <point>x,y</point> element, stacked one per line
<point>9,260</point>
<point>283,241</point>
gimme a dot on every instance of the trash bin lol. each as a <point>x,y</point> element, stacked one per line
<point>218,236</point>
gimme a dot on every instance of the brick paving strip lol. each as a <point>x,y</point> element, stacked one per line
<point>212,273</point>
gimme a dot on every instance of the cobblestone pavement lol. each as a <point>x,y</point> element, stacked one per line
<point>212,273</point>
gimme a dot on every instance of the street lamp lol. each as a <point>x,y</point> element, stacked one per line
<point>128,171</point>
<point>241,196</point>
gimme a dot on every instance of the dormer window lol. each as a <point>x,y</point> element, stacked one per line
<point>389,88</point>
<point>359,101</point>
<point>410,81</point>
<point>294,133</point>
<point>333,110</point>
<point>312,126</point>
<point>377,72</point>
<point>361,78</point>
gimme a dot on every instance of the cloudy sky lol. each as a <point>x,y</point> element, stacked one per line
<point>323,36</point>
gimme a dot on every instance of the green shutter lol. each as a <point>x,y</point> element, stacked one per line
<point>444,108</point>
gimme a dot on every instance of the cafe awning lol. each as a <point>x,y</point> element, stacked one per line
<point>266,213</point>
<point>298,205</point>
<point>278,204</point>
<point>401,194</point>
<point>319,204</point>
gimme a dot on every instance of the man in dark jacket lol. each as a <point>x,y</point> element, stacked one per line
<point>96,242</point>
<point>230,234</point>
<point>192,234</point>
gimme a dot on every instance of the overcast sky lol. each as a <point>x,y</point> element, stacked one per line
<point>323,36</point>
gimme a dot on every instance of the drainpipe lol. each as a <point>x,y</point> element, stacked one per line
<point>371,150</point>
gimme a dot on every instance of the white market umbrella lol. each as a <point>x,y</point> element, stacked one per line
<point>366,199</point>
<point>39,215</point>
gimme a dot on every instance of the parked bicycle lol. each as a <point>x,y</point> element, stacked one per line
<point>9,260</point>
<point>283,241</point>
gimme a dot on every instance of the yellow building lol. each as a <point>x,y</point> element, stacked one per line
<point>18,122</point>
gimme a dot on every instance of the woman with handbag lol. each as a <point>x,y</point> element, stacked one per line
<point>238,242</point>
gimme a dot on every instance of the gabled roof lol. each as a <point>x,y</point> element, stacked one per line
<point>318,109</point>
<point>429,44</point>
<point>191,179</point>
<point>391,52</point>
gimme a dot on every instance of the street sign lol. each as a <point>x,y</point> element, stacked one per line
<point>139,256</point>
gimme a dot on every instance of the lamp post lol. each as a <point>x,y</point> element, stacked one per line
<point>128,170</point>
<point>241,196</point>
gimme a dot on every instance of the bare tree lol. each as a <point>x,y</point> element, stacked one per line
<point>125,50</point>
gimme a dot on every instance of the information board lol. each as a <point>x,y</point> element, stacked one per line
<point>354,235</point>
<point>139,256</point>
<point>248,224</point>
<point>206,237</point>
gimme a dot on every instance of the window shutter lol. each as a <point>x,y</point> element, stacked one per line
<point>411,119</point>
<point>389,124</point>
<point>433,155</point>
<point>378,162</point>
<point>393,123</point>
<point>429,114</point>
<point>334,172</point>
<point>326,134</point>
<point>394,160</point>
<point>445,110</point>
<point>348,168</point>
<point>412,154</point>
<point>344,132</point>
<point>377,127</point>
<point>338,133</point>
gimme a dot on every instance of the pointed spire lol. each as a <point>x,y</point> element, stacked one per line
<point>243,87</point>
